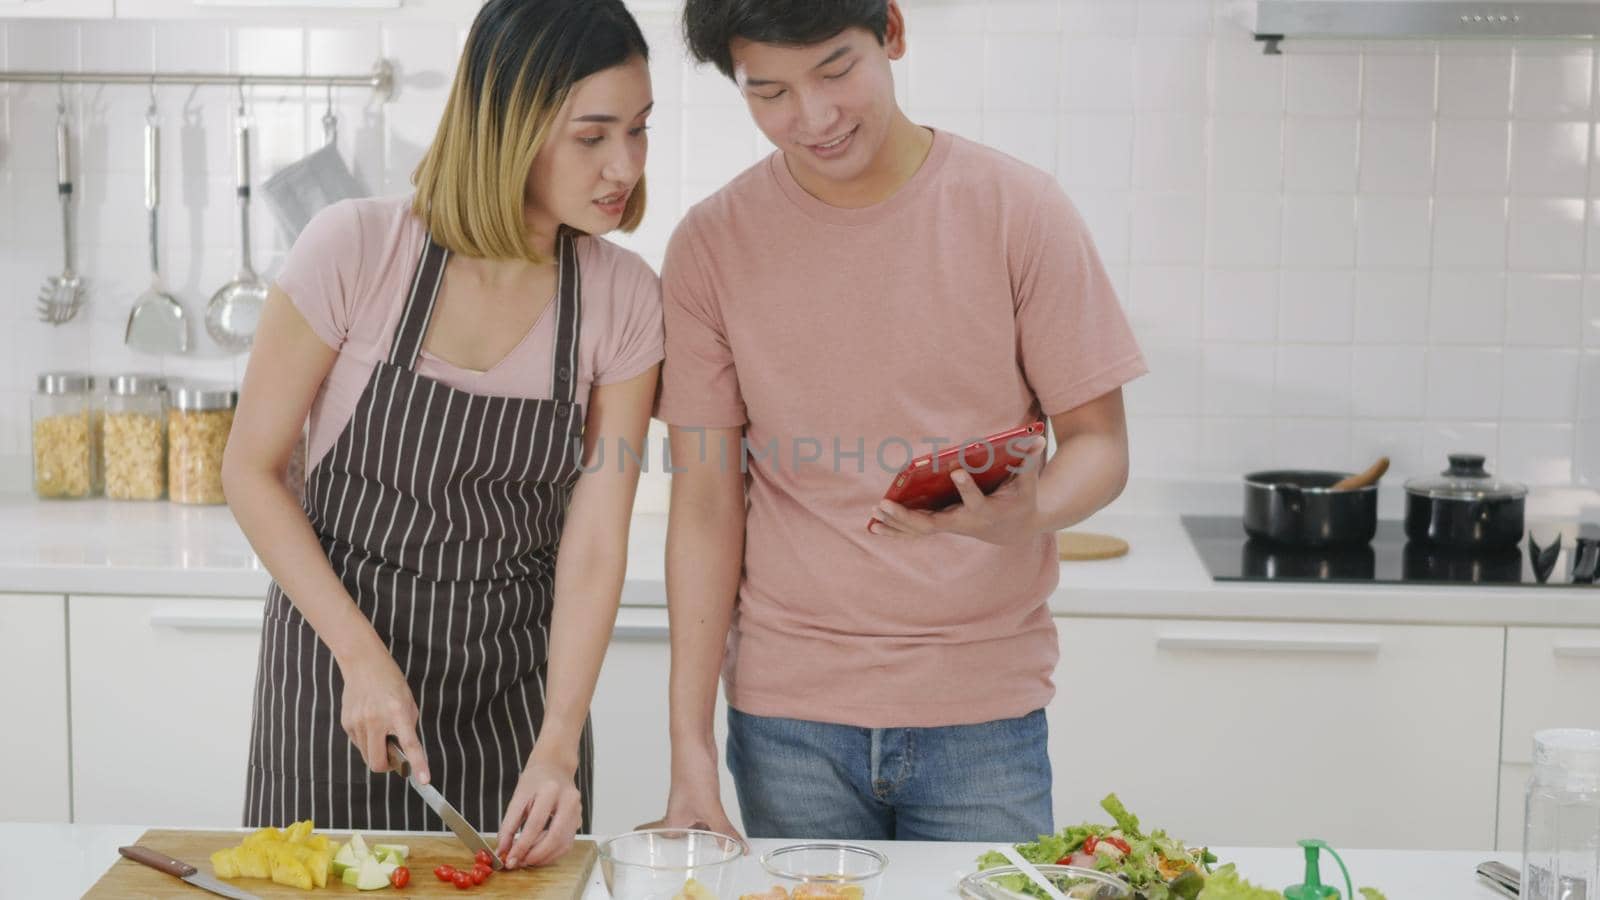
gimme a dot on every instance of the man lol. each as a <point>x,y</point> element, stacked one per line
<point>870,287</point>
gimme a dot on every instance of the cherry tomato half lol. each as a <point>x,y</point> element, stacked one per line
<point>444,873</point>
<point>480,873</point>
<point>484,857</point>
<point>462,880</point>
<point>400,877</point>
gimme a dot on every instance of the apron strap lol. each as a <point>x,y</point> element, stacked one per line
<point>414,321</point>
<point>563,379</point>
<point>418,313</point>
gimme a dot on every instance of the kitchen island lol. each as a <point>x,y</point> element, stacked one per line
<point>44,862</point>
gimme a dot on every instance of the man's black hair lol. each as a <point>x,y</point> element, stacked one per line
<point>709,26</point>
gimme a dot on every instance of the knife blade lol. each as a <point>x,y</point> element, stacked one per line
<point>180,869</point>
<point>436,802</point>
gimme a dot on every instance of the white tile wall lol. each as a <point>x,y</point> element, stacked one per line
<point>1343,251</point>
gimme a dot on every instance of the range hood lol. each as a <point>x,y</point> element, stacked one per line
<point>1274,21</point>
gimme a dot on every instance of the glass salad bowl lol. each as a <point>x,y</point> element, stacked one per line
<point>660,863</point>
<point>826,870</point>
<point>1009,883</point>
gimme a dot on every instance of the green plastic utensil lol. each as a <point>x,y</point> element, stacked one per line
<point>1313,888</point>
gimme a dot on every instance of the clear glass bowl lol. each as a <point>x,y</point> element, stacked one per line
<point>1076,883</point>
<point>826,871</point>
<point>657,863</point>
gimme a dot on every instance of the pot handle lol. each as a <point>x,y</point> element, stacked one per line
<point>1293,497</point>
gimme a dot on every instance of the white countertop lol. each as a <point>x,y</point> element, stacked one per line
<point>42,862</point>
<point>105,547</point>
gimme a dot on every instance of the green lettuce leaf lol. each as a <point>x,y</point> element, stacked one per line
<point>1127,821</point>
<point>1225,884</point>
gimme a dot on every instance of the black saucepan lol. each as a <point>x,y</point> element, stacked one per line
<point>1300,508</point>
<point>1464,508</point>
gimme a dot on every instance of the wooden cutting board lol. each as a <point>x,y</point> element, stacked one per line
<point>1082,545</point>
<point>128,880</point>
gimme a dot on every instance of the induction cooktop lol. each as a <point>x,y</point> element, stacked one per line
<point>1231,555</point>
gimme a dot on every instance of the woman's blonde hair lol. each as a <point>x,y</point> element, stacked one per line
<point>520,62</point>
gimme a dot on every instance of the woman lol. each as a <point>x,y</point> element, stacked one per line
<point>460,354</point>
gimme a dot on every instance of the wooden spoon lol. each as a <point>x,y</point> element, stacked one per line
<point>1362,479</point>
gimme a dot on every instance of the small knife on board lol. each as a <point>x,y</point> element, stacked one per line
<point>180,869</point>
<point>436,802</point>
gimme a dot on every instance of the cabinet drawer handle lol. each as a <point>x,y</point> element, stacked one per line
<point>190,620</point>
<point>1577,650</point>
<point>1336,646</point>
<point>627,632</point>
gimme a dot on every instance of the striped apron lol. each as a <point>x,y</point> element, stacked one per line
<point>441,511</point>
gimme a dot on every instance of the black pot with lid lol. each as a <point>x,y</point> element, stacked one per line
<point>1465,507</point>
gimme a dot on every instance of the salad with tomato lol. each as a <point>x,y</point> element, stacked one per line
<point>1158,867</point>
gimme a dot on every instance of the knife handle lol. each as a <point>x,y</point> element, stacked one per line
<point>397,760</point>
<point>158,861</point>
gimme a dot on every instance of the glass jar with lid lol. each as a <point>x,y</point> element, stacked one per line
<point>65,436</point>
<point>1561,825</point>
<point>133,441</point>
<point>199,418</point>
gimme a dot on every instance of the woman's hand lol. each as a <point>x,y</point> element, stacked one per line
<point>544,816</point>
<point>377,703</point>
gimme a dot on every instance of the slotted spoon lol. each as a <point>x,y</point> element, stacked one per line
<point>61,295</point>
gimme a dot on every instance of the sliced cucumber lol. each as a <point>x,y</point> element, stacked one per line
<point>372,875</point>
<point>359,848</point>
<point>397,851</point>
<point>345,859</point>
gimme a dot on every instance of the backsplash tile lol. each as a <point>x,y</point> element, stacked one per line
<point>1544,310</point>
<point>1342,251</point>
<point>1554,83</point>
<point>1474,85</point>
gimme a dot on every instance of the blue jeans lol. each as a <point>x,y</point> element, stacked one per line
<point>799,779</point>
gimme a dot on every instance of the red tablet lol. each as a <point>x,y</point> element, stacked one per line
<point>925,481</point>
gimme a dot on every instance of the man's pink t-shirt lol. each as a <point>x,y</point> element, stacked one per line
<point>351,269</point>
<point>846,341</point>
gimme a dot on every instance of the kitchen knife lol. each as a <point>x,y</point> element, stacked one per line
<point>1501,877</point>
<point>180,869</point>
<point>441,806</point>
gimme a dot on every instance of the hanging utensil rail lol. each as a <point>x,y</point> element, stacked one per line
<point>381,79</point>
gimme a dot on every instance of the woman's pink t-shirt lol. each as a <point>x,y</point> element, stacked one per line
<point>349,273</point>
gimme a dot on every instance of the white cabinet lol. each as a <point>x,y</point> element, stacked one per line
<point>460,11</point>
<point>33,706</point>
<point>1513,786</point>
<point>1246,734</point>
<point>633,748</point>
<point>161,696</point>
<point>1552,681</point>
<point>56,9</point>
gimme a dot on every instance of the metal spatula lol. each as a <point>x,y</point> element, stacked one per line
<point>156,324</point>
<point>61,295</point>
<point>235,309</point>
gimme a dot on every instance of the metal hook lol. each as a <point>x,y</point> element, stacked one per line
<point>241,98</point>
<point>61,95</point>
<point>150,112</point>
<point>330,122</point>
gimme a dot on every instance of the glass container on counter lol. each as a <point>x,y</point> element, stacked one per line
<point>1561,831</point>
<point>199,418</point>
<point>133,441</point>
<point>65,437</point>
